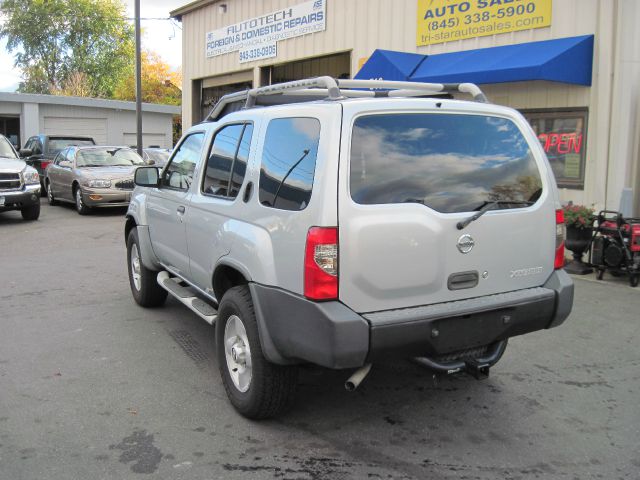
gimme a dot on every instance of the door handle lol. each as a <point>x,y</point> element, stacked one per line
<point>181,210</point>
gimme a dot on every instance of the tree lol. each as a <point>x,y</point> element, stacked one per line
<point>159,82</point>
<point>57,40</point>
<point>159,85</point>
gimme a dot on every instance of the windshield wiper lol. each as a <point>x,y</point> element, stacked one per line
<point>484,208</point>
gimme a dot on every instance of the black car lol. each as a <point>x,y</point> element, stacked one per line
<point>40,150</point>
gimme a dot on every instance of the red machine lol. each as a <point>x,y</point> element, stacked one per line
<point>616,246</point>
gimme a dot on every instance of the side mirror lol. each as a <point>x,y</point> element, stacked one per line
<point>25,152</point>
<point>147,177</point>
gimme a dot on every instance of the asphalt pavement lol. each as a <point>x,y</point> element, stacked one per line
<point>94,387</point>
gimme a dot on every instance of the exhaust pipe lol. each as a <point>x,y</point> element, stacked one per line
<point>356,379</point>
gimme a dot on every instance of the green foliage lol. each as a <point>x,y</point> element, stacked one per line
<point>578,216</point>
<point>55,40</point>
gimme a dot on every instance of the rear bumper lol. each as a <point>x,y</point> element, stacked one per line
<point>294,329</point>
<point>15,200</point>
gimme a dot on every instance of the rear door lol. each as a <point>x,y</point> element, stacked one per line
<point>409,173</point>
<point>215,199</point>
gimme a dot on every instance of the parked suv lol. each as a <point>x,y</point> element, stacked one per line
<point>332,224</point>
<point>19,183</point>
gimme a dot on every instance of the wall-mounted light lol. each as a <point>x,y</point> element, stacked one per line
<point>222,8</point>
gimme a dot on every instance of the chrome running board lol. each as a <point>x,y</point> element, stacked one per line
<point>187,297</point>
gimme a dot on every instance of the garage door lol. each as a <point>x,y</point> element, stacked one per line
<point>85,127</point>
<point>148,140</point>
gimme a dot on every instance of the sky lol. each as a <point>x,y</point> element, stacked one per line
<point>162,36</point>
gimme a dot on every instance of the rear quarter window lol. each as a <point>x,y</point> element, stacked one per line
<point>289,162</point>
<point>449,162</point>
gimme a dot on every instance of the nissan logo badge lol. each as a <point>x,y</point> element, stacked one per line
<point>465,243</point>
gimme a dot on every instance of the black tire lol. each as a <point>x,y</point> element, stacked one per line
<point>633,280</point>
<point>31,213</point>
<point>600,274</point>
<point>43,190</point>
<point>272,387</point>
<point>52,201</point>
<point>81,208</point>
<point>148,293</point>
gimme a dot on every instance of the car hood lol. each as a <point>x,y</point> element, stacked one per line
<point>106,173</point>
<point>10,165</point>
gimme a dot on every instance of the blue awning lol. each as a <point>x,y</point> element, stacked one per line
<point>390,65</point>
<point>566,60</point>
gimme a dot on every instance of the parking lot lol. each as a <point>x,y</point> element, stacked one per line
<point>93,386</point>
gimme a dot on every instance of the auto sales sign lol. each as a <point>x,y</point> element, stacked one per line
<point>442,21</point>
<point>266,30</point>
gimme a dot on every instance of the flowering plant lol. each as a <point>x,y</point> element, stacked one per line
<point>578,216</point>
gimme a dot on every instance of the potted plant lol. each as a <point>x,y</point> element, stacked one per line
<point>579,222</point>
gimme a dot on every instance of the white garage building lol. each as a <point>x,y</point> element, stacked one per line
<point>109,122</point>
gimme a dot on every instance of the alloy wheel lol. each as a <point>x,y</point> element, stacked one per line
<point>237,353</point>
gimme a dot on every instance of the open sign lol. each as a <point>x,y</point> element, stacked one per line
<point>560,143</point>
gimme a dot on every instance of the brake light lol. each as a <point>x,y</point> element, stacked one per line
<point>44,165</point>
<point>321,264</point>
<point>560,234</point>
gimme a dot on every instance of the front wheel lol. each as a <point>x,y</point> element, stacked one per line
<point>52,201</point>
<point>144,286</point>
<point>80,205</point>
<point>31,213</point>
<point>256,387</point>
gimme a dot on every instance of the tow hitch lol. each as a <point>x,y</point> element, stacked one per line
<point>478,368</point>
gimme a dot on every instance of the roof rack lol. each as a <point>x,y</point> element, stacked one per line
<point>334,89</point>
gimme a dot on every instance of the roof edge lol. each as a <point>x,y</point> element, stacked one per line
<point>189,7</point>
<point>87,102</point>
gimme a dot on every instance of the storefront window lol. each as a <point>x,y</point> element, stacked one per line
<point>563,135</point>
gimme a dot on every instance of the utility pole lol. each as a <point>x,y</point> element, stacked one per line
<point>138,81</point>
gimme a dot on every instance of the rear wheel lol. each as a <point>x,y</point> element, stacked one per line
<point>52,201</point>
<point>31,213</point>
<point>80,206</point>
<point>256,387</point>
<point>633,280</point>
<point>144,286</point>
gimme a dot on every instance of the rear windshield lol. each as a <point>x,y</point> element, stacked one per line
<point>451,163</point>
<point>56,144</point>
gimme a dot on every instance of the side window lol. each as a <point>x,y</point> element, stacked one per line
<point>179,173</point>
<point>37,147</point>
<point>30,144</point>
<point>221,160</point>
<point>289,163</point>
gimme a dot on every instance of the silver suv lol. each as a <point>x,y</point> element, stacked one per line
<point>343,222</point>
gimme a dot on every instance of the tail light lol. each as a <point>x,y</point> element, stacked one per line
<point>44,165</point>
<point>560,234</point>
<point>321,264</point>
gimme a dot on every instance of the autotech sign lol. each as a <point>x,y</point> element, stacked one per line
<point>267,29</point>
<point>448,20</point>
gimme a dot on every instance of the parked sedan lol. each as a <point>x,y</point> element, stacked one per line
<point>92,177</point>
